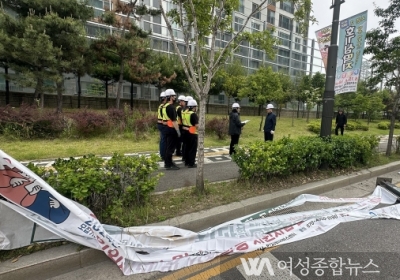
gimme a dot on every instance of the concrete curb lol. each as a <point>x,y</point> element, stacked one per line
<point>60,260</point>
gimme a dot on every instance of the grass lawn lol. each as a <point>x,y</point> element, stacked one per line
<point>106,145</point>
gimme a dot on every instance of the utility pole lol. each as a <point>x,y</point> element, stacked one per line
<point>329,93</point>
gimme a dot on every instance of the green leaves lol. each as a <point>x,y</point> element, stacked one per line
<point>261,160</point>
<point>262,86</point>
<point>104,185</point>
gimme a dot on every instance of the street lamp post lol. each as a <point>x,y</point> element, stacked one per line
<point>329,93</point>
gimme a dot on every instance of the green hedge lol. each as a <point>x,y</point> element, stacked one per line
<point>107,187</point>
<point>262,160</point>
<point>386,125</point>
<point>315,126</point>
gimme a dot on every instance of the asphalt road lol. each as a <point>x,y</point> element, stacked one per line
<point>225,169</point>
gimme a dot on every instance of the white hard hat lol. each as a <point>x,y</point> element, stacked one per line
<point>162,95</point>
<point>169,92</point>
<point>192,103</point>
<point>188,98</point>
<point>182,98</point>
<point>270,106</point>
<point>235,105</point>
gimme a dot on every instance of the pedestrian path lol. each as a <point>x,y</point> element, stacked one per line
<point>211,155</point>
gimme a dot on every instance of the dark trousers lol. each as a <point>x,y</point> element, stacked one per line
<point>268,136</point>
<point>337,129</point>
<point>234,141</point>
<point>160,127</point>
<point>170,147</point>
<point>179,144</point>
<point>191,148</point>
<point>184,144</point>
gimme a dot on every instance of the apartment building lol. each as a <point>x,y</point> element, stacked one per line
<point>294,53</point>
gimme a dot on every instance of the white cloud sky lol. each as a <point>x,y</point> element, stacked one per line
<point>324,14</point>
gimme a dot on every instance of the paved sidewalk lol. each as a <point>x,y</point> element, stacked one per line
<point>211,155</point>
<point>67,259</point>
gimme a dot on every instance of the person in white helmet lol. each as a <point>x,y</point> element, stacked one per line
<point>191,125</point>
<point>270,123</point>
<point>179,109</point>
<point>235,127</point>
<point>160,125</point>
<point>171,129</point>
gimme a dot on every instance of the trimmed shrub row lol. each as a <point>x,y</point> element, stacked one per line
<point>315,126</point>
<point>107,187</point>
<point>262,160</point>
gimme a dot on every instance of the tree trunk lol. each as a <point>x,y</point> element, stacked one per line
<point>308,116</point>
<point>79,91</point>
<point>7,85</point>
<point>391,130</point>
<point>120,84</point>
<point>208,103</point>
<point>38,89</point>
<point>317,116</point>
<point>131,96</point>
<point>60,95</point>
<point>42,99</point>
<point>106,84</point>
<point>259,110</point>
<point>262,120</point>
<point>298,109</point>
<point>200,148</point>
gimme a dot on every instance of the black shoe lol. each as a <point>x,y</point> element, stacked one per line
<point>192,166</point>
<point>172,167</point>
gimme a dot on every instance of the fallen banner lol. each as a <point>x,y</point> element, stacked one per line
<point>164,248</point>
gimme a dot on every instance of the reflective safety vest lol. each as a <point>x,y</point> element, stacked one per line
<point>166,119</point>
<point>160,113</point>
<point>192,128</point>
<point>184,121</point>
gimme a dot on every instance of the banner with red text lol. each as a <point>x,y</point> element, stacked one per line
<point>164,248</point>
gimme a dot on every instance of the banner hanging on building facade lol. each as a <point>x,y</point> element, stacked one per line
<point>350,53</point>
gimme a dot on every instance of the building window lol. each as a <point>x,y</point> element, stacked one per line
<point>157,24</point>
<point>287,6</point>
<point>271,17</point>
<point>258,14</point>
<point>238,23</point>
<point>297,44</point>
<point>257,54</point>
<point>283,57</point>
<point>284,38</point>
<point>285,22</point>
<point>297,28</point>
<point>255,27</point>
<point>241,6</point>
<point>254,64</point>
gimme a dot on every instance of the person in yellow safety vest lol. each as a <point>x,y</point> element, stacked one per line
<point>171,129</point>
<point>184,140</point>
<point>160,125</point>
<point>191,121</point>
<point>179,108</point>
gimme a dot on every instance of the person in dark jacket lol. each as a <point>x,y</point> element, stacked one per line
<point>341,122</point>
<point>235,127</point>
<point>270,123</point>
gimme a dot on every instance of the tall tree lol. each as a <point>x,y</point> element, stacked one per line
<point>234,77</point>
<point>384,47</point>
<point>210,18</point>
<point>318,84</point>
<point>53,18</point>
<point>287,88</point>
<point>261,87</point>
<point>127,41</point>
